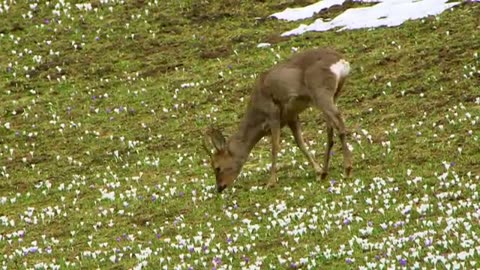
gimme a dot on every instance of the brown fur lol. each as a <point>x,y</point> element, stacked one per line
<point>279,96</point>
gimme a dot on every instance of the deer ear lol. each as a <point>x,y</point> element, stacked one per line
<point>217,138</point>
<point>207,145</point>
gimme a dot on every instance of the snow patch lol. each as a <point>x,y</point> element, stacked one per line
<point>387,13</point>
<point>294,14</point>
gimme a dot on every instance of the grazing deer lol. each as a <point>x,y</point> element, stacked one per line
<point>313,78</point>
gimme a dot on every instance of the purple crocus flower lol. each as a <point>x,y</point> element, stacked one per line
<point>403,262</point>
<point>428,242</point>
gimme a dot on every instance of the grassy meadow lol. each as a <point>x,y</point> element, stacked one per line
<point>102,109</point>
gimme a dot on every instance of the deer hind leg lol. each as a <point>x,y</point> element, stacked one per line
<point>328,151</point>
<point>296,129</point>
<point>323,86</point>
<point>330,142</point>
<point>334,118</point>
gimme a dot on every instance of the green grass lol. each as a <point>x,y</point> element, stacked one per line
<point>114,115</point>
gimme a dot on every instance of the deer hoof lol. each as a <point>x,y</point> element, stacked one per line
<point>323,175</point>
<point>272,183</point>
<point>348,172</point>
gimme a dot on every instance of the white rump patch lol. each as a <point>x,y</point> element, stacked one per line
<point>340,68</point>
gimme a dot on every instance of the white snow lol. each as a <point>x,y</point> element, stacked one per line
<point>263,45</point>
<point>294,14</point>
<point>386,13</point>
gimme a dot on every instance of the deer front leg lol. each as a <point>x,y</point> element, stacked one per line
<point>275,129</point>
<point>297,135</point>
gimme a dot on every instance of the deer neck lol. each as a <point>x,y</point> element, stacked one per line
<point>250,130</point>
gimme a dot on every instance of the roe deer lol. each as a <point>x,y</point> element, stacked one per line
<point>313,78</point>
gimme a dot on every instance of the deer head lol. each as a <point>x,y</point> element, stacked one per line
<point>224,162</point>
